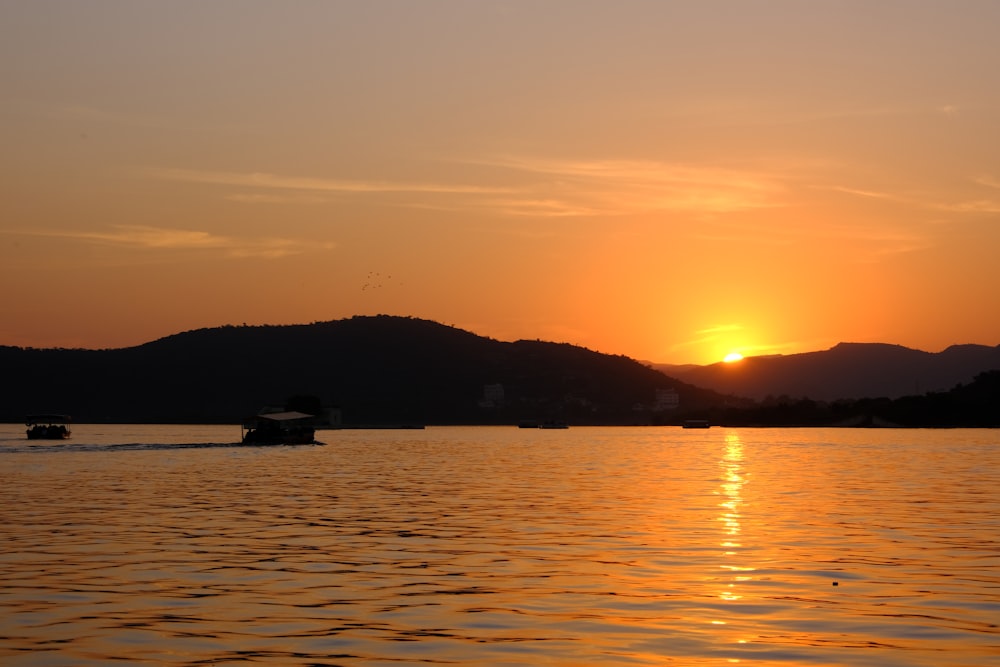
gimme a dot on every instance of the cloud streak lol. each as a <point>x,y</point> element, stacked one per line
<point>732,331</point>
<point>708,335</point>
<point>553,188</point>
<point>547,188</point>
<point>973,206</point>
<point>268,181</point>
<point>989,181</point>
<point>621,187</point>
<point>167,239</point>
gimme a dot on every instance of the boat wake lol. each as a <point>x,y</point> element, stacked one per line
<point>137,446</point>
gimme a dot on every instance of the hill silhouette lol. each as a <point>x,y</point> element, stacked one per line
<point>972,405</point>
<point>845,371</point>
<point>377,370</point>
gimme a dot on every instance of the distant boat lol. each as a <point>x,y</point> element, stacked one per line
<point>696,423</point>
<point>47,427</point>
<point>280,428</point>
<point>548,423</point>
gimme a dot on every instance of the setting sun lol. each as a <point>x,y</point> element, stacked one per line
<point>732,356</point>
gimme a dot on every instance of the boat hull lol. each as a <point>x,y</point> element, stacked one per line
<point>47,433</point>
<point>302,438</point>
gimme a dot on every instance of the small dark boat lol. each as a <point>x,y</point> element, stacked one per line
<point>696,423</point>
<point>280,428</point>
<point>48,427</point>
<point>548,423</point>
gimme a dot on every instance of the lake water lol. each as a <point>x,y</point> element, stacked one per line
<point>164,545</point>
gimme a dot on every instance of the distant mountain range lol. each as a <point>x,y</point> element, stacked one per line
<point>386,370</point>
<point>846,371</point>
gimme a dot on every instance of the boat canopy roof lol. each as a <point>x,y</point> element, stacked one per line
<point>284,416</point>
<point>47,418</point>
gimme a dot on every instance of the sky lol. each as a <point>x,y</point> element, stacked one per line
<point>670,181</point>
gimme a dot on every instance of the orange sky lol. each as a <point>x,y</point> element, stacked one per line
<point>672,181</point>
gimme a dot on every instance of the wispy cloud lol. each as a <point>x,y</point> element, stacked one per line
<point>718,329</point>
<point>979,205</point>
<point>878,240</point>
<point>267,181</point>
<point>708,335</point>
<point>870,194</point>
<point>167,239</point>
<point>542,208</point>
<point>150,237</point>
<point>617,187</point>
<point>546,188</point>
<point>268,198</point>
<point>759,233</point>
<point>988,181</point>
<point>974,206</point>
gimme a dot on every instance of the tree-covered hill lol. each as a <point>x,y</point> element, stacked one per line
<point>397,370</point>
<point>377,369</point>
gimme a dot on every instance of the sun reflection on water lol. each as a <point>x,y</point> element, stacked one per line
<point>731,491</point>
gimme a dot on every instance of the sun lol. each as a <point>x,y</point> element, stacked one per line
<point>732,357</point>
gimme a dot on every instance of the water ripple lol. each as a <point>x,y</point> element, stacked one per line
<point>500,547</point>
